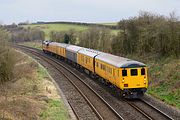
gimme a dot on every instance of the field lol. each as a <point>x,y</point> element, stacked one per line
<point>47,28</point>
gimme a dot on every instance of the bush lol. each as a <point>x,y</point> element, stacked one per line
<point>149,33</point>
<point>7,60</point>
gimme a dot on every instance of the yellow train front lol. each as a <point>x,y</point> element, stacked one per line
<point>128,76</point>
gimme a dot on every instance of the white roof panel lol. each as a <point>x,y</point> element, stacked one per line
<point>89,52</point>
<point>73,48</point>
<point>117,61</point>
<point>63,45</point>
<point>53,43</point>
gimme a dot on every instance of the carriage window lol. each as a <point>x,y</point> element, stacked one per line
<point>97,64</point>
<point>104,67</point>
<point>134,72</point>
<point>118,73</point>
<point>142,71</point>
<point>111,70</point>
<point>86,59</point>
<point>82,58</point>
<point>124,72</point>
<point>107,69</point>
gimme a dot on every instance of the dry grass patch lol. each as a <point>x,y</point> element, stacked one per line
<point>28,96</point>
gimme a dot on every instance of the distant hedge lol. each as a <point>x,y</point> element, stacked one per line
<point>114,27</point>
<point>20,34</point>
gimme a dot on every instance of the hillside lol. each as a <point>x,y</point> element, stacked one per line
<point>47,28</point>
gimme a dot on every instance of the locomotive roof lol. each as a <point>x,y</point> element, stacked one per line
<point>89,52</point>
<point>74,48</point>
<point>53,43</point>
<point>63,45</point>
<point>119,62</point>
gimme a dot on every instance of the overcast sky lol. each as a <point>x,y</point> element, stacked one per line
<point>81,10</point>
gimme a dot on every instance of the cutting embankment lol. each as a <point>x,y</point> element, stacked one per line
<point>163,77</point>
<point>31,93</point>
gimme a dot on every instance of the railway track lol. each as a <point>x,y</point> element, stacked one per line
<point>100,107</point>
<point>143,108</point>
<point>152,113</point>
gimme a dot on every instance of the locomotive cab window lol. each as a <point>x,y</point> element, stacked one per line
<point>124,72</point>
<point>134,72</point>
<point>142,71</point>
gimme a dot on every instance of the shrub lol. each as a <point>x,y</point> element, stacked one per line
<point>7,60</point>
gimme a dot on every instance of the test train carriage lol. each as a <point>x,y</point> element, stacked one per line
<point>127,76</point>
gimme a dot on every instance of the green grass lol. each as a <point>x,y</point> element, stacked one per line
<point>57,27</point>
<point>42,72</point>
<point>47,28</point>
<point>165,80</point>
<point>55,111</point>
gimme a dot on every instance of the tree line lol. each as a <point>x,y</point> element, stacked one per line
<point>20,34</point>
<point>149,33</point>
<point>146,33</point>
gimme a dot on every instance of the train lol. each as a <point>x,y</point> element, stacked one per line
<point>128,77</point>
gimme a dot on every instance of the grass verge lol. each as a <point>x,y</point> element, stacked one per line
<point>31,94</point>
<point>55,111</point>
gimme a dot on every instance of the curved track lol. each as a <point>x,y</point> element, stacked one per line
<point>99,106</point>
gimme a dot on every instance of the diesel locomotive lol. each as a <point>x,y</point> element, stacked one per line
<point>128,77</point>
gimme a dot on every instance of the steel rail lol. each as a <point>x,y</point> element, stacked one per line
<point>139,110</point>
<point>159,111</point>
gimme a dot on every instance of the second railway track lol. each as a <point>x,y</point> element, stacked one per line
<point>152,113</point>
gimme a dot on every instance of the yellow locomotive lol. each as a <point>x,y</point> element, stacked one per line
<point>129,77</point>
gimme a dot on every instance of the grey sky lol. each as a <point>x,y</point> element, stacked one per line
<point>81,10</point>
